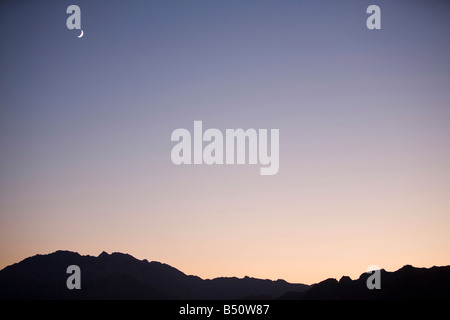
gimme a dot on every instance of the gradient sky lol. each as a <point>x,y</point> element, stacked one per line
<point>364,120</point>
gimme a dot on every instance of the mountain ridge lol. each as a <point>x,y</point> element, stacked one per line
<point>122,276</point>
<point>406,283</point>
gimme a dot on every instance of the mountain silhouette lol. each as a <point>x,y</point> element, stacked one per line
<point>121,276</point>
<point>407,283</point>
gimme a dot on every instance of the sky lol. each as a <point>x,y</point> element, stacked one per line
<point>363,116</point>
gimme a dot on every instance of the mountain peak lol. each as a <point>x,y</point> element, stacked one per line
<point>345,279</point>
<point>103,254</point>
<point>407,267</point>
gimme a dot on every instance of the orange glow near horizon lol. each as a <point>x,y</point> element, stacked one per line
<point>291,235</point>
<point>363,119</point>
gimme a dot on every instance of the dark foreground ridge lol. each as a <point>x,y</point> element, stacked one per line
<point>407,283</point>
<point>121,276</point>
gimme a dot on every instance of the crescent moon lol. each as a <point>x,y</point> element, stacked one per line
<point>81,35</point>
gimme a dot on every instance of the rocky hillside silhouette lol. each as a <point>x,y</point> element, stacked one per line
<point>407,283</point>
<point>121,276</point>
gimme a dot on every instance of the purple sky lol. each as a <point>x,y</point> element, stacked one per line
<point>85,128</point>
